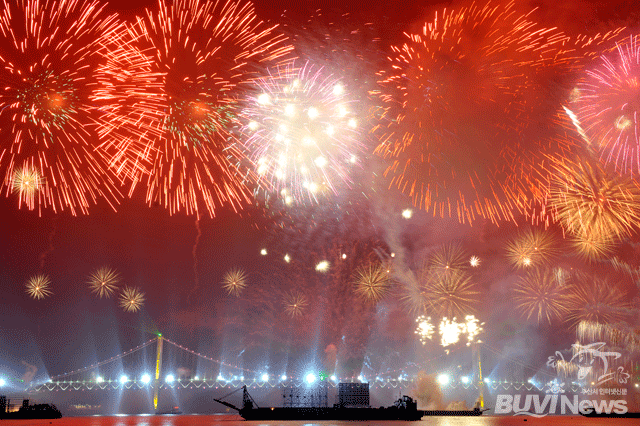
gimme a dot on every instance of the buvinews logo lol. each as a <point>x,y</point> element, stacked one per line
<point>532,405</point>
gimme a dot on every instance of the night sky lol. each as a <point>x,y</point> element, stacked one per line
<point>179,262</point>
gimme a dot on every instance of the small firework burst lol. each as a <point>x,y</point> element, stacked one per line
<point>38,287</point>
<point>103,282</point>
<point>372,281</point>
<point>295,303</point>
<point>450,295</point>
<point>450,331</point>
<point>595,300</point>
<point>424,329</point>
<point>474,261</point>
<point>541,295</point>
<point>235,281</point>
<point>27,182</point>
<point>322,266</point>
<point>531,247</point>
<point>447,259</point>
<point>131,299</point>
<point>473,327</point>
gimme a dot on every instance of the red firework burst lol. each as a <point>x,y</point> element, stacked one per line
<point>179,141</point>
<point>48,116</point>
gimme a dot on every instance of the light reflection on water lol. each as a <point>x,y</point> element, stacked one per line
<point>228,420</point>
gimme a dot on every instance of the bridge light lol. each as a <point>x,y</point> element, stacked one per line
<point>443,379</point>
<point>310,378</point>
<point>196,378</point>
<point>464,379</point>
<point>2,382</point>
<point>99,379</point>
<point>283,377</point>
<point>145,378</point>
<point>265,377</point>
<point>169,378</point>
<point>220,378</point>
<point>123,379</point>
<point>334,378</point>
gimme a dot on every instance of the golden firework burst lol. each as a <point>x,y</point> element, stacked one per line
<point>589,198</point>
<point>295,303</point>
<point>104,281</point>
<point>531,247</point>
<point>27,182</point>
<point>450,295</point>
<point>595,300</point>
<point>372,281</point>
<point>592,244</point>
<point>38,287</point>
<point>131,299</point>
<point>446,259</point>
<point>541,295</point>
<point>235,281</point>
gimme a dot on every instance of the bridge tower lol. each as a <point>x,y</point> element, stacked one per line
<point>477,365</point>
<point>156,383</point>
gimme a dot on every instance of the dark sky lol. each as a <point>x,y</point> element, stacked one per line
<point>154,250</point>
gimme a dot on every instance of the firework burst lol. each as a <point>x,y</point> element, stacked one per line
<point>39,287</point>
<point>131,299</point>
<point>446,260</point>
<point>183,118</point>
<point>450,295</point>
<point>595,300</point>
<point>531,247</point>
<point>372,281</point>
<point>234,282</point>
<point>606,106</point>
<point>49,112</point>
<point>594,203</point>
<point>456,111</point>
<point>27,182</point>
<point>302,133</point>
<point>104,282</point>
<point>295,303</point>
<point>424,329</point>
<point>541,295</point>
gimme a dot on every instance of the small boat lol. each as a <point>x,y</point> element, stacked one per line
<point>404,408</point>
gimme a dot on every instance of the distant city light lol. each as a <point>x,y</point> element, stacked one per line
<point>169,378</point>
<point>443,379</point>
<point>145,378</point>
<point>123,379</point>
<point>265,377</point>
<point>310,378</point>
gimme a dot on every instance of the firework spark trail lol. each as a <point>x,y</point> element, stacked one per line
<point>48,113</point>
<point>199,55</point>
<point>196,277</point>
<point>447,87</point>
<point>302,133</point>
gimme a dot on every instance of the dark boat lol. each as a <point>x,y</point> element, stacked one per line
<point>404,408</point>
<point>29,412</point>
